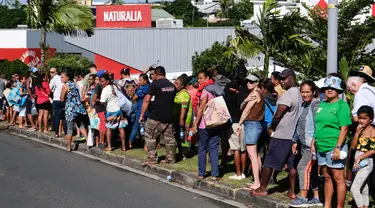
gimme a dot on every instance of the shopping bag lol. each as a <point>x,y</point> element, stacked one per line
<point>94,119</point>
<point>34,111</point>
<point>216,113</point>
<point>90,138</point>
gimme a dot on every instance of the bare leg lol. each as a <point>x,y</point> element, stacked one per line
<point>40,117</point>
<point>339,177</point>
<point>122,137</point>
<point>20,122</point>
<point>109,134</point>
<point>328,187</point>
<point>243,162</point>
<point>237,162</point>
<point>266,175</point>
<point>45,120</point>
<point>292,182</point>
<point>252,151</point>
<point>69,142</point>
<point>31,119</point>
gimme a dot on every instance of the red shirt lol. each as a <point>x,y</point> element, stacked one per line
<point>43,93</point>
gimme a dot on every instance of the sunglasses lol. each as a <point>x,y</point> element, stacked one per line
<point>251,82</point>
<point>52,72</point>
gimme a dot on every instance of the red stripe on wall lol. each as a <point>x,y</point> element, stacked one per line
<point>115,67</point>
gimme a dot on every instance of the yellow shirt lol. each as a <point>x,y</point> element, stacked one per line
<point>280,91</point>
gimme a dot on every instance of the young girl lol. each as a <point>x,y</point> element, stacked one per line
<point>22,108</point>
<point>364,142</point>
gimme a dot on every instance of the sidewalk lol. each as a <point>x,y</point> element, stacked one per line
<point>183,172</point>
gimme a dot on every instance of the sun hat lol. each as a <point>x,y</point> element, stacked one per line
<point>252,78</point>
<point>334,83</point>
<point>364,72</point>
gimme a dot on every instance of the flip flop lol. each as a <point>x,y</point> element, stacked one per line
<point>147,163</point>
<point>258,194</point>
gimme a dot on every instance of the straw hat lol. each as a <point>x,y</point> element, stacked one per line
<point>364,72</point>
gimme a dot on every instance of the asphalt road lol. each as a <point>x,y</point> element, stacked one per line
<point>35,175</point>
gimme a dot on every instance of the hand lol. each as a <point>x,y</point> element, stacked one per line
<point>336,154</point>
<point>356,163</point>
<point>182,123</point>
<point>140,119</point>
<point>294,148</point>
<point>359,129</point>
<point>239,130</point>
<point>233,90</point>
<point>269,131</point>
<point>312,150</point>
<point>193,129</point>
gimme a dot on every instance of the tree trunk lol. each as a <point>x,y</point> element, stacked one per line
<point>266,62</point>
<point>44,51</point>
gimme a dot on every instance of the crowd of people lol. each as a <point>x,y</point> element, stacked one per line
<point>276,122</point>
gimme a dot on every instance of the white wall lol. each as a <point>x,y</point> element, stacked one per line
<point>13,39</point>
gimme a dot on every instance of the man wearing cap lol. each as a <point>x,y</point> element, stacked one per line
<point>364,94</point>
<point>160,117</point>
<point>282,131</point>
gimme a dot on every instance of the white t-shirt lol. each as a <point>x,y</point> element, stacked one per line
<point>109,97</point>
<point>364,96</point>
<point>56,85</point>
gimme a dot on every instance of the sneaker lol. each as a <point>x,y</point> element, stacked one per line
<point>299,202</point>
<point>315,202</point>
<point>243,176</point>
<point>235,177</point>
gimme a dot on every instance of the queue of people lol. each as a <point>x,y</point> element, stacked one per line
<point>277,123</point>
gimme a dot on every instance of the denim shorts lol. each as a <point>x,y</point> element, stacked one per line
<point>253,129</point>
<point>325,158</point>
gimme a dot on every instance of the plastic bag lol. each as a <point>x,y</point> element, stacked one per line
<point>34,111</point>
<point>90,139</point>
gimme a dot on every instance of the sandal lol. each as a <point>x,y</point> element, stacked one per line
<point>254,193</point>
<point>147,163</point>
<point>215,179</point>
<point>200,178</point>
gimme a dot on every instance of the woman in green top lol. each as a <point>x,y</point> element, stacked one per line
<point>331,126</point>
<point>183,112</point>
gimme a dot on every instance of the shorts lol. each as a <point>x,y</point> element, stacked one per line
<point>82,123</point>
<point>325,159</point>
<point>279,154</point>
<point>44,106</point>
<point>102,126</point>
<point>29,106</point>
<point>236,142</point>
<point>117,121</point>
<point>22,111</point>
<point>253,129</point>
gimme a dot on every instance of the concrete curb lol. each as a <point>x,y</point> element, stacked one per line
<point>180,177</point>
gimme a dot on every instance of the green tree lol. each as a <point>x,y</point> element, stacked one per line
<point>13,67</point>
<point>63,17</point>
<point>277,33</point>
<point>242,10</point>
<point>215,56</point>
<point>115,2</point>
<point>12,16</point>
<point>76,62</point>
<point>183,9</point>
<point>224,6</point>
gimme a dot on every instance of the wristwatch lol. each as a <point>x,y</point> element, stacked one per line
<point>338,147</point>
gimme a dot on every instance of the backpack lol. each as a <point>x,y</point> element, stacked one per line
<point>123,102</point>
<point>269,112</point>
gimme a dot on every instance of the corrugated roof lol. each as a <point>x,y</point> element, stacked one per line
<point>160,14</point>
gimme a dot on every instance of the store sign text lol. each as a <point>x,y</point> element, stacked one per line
<point>123,16</point>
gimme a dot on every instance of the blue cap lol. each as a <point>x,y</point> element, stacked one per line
<point>334,83</point>
<point>100,73</point>
<point>193,81</point>
<point>33,69</point>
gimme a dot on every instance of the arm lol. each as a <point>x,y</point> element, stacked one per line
<point>22,93</point>
<point>202,105</point>
<point>355,139</point>
<point>280,112</point>
<point>145,104</point>
<point>64,90</point>
<point>182,116</point>
<point>340,142</point>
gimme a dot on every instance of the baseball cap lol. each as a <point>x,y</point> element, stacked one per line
<point>252,77</point>
<point>287,72</point>
<point>100,73</point>
<point>33,69</point>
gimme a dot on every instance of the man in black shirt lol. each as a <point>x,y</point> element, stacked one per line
<point>160,118</point>
<point>235,93</point>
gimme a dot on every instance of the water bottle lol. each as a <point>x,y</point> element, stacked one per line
<point>142,128</point>
<point>182,135</point>
<point>169,178</point>
<point>313,156</point>
<point>362,164</point>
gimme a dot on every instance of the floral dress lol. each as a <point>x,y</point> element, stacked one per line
<point>73,105</point>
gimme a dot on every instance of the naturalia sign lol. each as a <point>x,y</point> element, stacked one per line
<point>123,16</point>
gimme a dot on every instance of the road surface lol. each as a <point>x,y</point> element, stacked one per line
<point>36,175</point>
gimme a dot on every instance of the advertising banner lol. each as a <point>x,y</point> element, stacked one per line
<point>123,16</point>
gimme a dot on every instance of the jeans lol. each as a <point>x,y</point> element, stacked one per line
<point>57,116</point>
<point>208,140</point>
<point>360,186</point>
<point>135,129</point>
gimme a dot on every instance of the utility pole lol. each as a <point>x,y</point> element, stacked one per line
<point>332,36</point>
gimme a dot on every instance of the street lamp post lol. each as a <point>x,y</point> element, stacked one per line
<point>332,36</point>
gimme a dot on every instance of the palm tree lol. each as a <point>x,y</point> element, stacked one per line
<point>62,17</point>
<point>7,2</point>
<point>115,2</point>
<point>276,35</point>
<point>225,5</point>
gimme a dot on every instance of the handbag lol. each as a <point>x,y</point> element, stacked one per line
<point>216,113</point>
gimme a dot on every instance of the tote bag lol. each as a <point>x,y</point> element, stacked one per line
<point>216,113</point>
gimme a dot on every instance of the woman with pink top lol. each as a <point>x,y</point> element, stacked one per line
<point>43,102</point>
